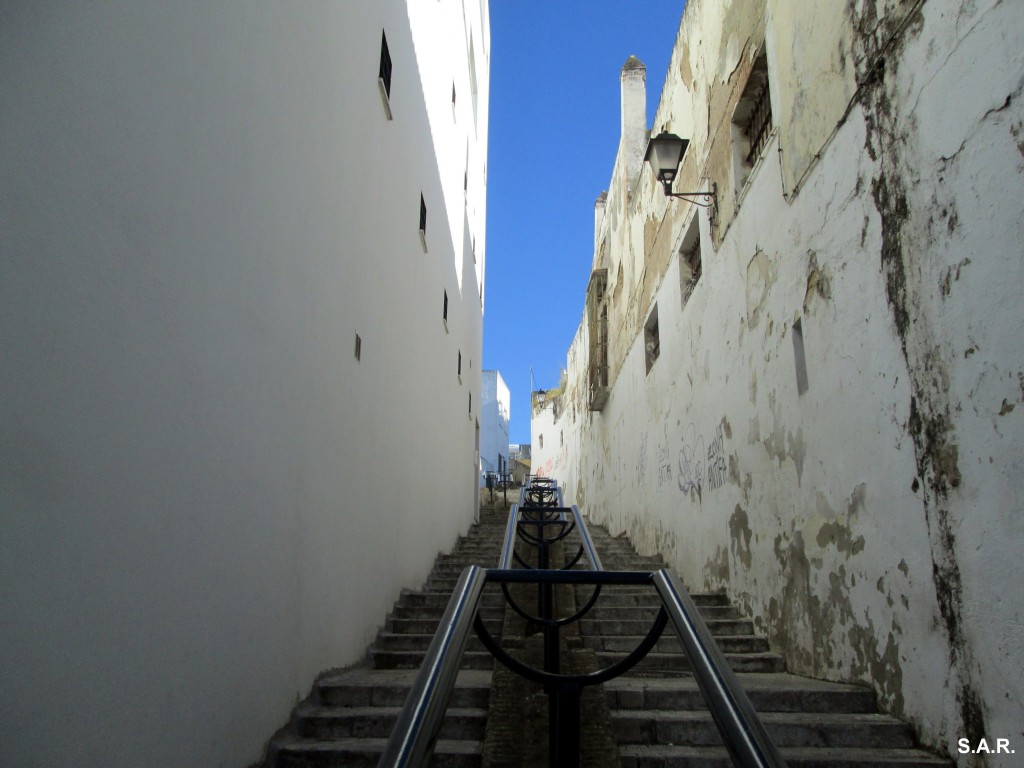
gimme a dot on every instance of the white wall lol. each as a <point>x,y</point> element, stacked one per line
<point>870,525</point>
<point>494,418</point>
<point>201,206</point>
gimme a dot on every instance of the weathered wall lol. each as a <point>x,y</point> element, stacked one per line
<point>870,520</point>
<point>199,502</point>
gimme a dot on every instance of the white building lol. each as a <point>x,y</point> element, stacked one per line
<point>495,408</point>
<point>810,395</point>
<point>242,271</point>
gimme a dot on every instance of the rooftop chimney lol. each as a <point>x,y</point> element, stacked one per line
<point>633,138</point>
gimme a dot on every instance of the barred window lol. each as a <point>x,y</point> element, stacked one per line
<point>652,339</point>
<point>752,121</point>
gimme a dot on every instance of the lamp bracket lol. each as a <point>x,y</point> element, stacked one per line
<point>710,198</point>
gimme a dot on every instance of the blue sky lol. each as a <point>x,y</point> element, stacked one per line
<point>554,130</point>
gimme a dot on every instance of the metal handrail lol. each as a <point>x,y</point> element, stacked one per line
<point>415,733</point>
<point>588,544</point>
<point>742,730</point>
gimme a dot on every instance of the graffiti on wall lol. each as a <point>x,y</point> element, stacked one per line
<point>641,467</point>
<point>702,464</point>
<point>691,462</point>
<point>717,467</point>
<point>664,463</point>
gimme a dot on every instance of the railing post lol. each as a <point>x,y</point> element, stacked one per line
<point>564,726</point>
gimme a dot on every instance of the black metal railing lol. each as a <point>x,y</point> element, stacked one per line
<point>540,520</point>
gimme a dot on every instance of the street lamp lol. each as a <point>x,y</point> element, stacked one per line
<point>664,152</point>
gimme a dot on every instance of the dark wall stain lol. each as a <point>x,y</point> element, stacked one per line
<point>830,617</point>
<point>878,43</point>
<point>716,570</point>
<point>835,533</point>
<point>739,530</point>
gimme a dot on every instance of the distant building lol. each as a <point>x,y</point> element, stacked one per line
<point>519,451</point>
<point>519,461</point>
<point>495,404</point>
<point>242,251</point>
<point>810,393</point>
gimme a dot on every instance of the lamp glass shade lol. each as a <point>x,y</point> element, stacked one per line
<point>664,153</point>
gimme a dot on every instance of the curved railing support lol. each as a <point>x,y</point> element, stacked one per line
<point>415,733</point>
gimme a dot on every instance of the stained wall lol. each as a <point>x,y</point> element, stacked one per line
<point>831,430</point>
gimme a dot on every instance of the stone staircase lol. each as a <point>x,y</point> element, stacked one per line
<point>349,715</point>
<point>658,714</point>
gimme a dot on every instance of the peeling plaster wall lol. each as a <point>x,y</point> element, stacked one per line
<point>870,524</point>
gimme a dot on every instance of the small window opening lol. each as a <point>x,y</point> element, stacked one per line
<point>359,347</point>
<point>799,359</point>
<point>459,371</point>
<point>384,74</point>
<point>652,342</point>
<point>470,403</point>
<point>540,439</point>
<point>561,438</point>
<point>444,311</point>
<point>752,121</point>
<point>690,268</point>
<point>423,222</point>
<point>453,100</point>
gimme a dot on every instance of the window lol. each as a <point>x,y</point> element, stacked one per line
<point>384,74</point>
<point>540,439</point>
<point>472,77</point>
<point>689,262</point>
<point>752,121</point>
<point>444,310</point>
<point>597,327</point>
<point>359,347</point>
<point>453,101</point>
<point>798,357</point>
<point>471,405</point>
<point>423,222</point>
<point>459,371</point>
<point>652,343</point>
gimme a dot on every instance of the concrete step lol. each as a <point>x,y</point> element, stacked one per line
<point>375,722</point>
<point>440,599</point>
<point>768,692</point>
<point>404,641</point>
<point>623,597</point>
<point>639,627</point>
<point>365,753</point>
<point>428,625</point>
<point>646,614</point>
<point>389,687</point>
<point>786,729</point>
<point>382,658</point>
<point>669,643</point>
<point>655,663</point>
<point>670,756</point>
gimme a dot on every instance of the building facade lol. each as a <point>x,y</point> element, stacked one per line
<point>495,408</point>
<point>809,393</point>
<point>243,253</point>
